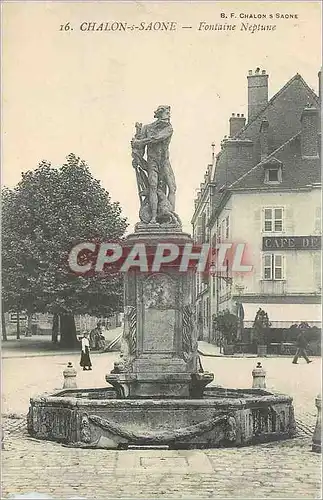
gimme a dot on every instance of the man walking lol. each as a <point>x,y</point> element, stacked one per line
<point>301,345</point>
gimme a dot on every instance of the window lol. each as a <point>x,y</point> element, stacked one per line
<point>273,172</point>
<point>273,175</point>
<point>13,317</point>
<point>218,232</point>
<point>213,286</point>
<point>273,220</point>
<point>207,214</point>
<point>224,229</point>
<point>273,267</point>
<point>198,230</point>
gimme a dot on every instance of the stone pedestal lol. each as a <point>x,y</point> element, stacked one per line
<point>159,346</point>
<point>258,377</point>
<point>69,377</point>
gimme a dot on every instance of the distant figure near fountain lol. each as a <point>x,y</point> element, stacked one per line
<point>155,176</point>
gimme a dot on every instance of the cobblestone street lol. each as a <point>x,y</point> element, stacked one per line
<point>286,469</point>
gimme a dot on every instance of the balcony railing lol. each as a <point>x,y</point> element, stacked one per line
<point>273,287</point>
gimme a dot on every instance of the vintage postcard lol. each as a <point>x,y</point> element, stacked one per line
<point>161,249</point>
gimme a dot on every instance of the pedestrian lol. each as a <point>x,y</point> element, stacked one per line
<point>95,336</point>
<point>301,344</point>
<point>221,344</point>
<point>85,361</point>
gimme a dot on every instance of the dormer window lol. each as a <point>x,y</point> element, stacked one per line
<point>273,175</point>
<point>273,171</point>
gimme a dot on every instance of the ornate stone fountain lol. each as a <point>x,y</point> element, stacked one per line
<point>157,392</point>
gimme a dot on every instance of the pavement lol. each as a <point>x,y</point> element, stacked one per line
<point>41,345</point>
<point>207,349</point>
<point>286,469</point>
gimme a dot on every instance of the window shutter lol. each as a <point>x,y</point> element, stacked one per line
<point>203,228</point>
<point>267,266</point>
<point>280,174</point>
<point>284,263</point>
<point>318,229</point>
<point>199,230</point>
<point>277,266</point>
<point>257,219</point>
<point>288,220</point>
<point>317,270</point>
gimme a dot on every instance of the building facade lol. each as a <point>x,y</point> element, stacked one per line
<point>266,192</point>
<point>42,323</point>
<point>201,234</point>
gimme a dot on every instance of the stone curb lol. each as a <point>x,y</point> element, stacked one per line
<point>204,353</point>
<point>208,354</point>
<point>55,353</point>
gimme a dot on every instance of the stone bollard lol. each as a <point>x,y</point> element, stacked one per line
<point>69,377</point>
<point>316,440</point>
<point>259,377</point>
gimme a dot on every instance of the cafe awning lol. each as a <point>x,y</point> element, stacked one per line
<point>284,315</point>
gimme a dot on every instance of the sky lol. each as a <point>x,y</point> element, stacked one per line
<point>82,91</point>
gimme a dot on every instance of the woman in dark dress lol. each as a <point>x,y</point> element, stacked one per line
<point>85,361</point>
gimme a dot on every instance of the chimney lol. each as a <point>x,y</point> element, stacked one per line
<point>257,92</point>
<point>225,138</point>
<point>213,151</point>
<point>264,144</point>
<point>237,122</point>
<point>309,133</point>
<point>237,159</point>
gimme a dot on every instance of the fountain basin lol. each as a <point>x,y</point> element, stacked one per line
<point>96,418</point>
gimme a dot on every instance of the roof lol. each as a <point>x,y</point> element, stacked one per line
<point>283,113</point>
<point>297,171</point>
<point>296,77</point>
